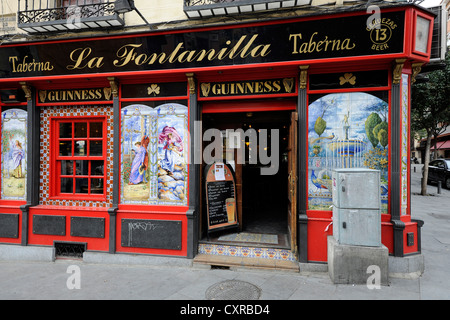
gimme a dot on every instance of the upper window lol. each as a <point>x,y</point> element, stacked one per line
<point>78,158</point>
<point>67,15</point>
<point>210,8</point>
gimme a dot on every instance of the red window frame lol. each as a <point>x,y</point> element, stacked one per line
<point>56,159</point>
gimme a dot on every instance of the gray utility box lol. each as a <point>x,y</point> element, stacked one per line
<point>356,207</point>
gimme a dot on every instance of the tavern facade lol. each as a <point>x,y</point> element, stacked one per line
<point>100,133</point>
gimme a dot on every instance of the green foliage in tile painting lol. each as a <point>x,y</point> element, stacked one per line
<point>380,131</point>
<point>320,126</point>
<point>372,121</point>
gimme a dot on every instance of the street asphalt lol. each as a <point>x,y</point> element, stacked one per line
<point>81,280</point>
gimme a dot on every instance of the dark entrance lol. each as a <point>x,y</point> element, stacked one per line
<point>262,199</point>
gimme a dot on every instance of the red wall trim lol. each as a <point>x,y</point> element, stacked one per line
<point>93,244</point>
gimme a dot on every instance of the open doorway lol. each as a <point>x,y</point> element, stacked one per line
<point>262,199</point>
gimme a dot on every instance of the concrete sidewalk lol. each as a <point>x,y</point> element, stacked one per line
<point>159,278</point>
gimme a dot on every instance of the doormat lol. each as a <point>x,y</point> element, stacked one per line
<point>250,237</point>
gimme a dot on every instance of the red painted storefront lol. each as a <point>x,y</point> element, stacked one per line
<point>130,77</point>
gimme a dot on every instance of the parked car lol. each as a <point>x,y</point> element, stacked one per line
<point>439,170</point>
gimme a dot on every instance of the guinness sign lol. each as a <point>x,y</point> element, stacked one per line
<point>244,88</point>
<point>72,95</point>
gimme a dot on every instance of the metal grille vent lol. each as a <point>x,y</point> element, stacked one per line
<point>69,249</point>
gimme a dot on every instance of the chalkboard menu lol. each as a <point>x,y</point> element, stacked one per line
<point>220,196</point>
<point>218,193</point>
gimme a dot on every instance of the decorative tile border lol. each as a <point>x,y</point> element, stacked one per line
<point>69,111</point>
<point>248,252</point>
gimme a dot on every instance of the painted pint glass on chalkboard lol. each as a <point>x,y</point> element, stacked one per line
<point>231,208</point>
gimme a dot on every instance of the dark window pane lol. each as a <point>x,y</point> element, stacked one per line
<point>82,167</point>
<point>65,148</point>
<point>82,185</point>
<point>80,148</point>
<point>65,130</point>
<point>66,185</point>
<point>97,186</point>
<point>67,167</point>
<point>97,167</point>
<point>96,148</point>
<point>95,129</point>
<point>80,130</point>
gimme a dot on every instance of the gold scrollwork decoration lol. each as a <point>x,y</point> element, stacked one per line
<point>191,82</point>
<point>114,86</point>
<point>303,76</point>
<point>27,89</point>
<point>397,72</point>
<point>416,68</point>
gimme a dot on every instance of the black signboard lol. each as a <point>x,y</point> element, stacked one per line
<point>12,96</point>
<point>244,88</point>
<point>49,225</point>
<point>9,225</point>
<point>154,89</point>
<point>155,234</point>
<point>87,227</point>
<point>70,95</point>
<point>282,41</point>
<point>220,197</point>
<point>344,80</point>
<point>218,192</point>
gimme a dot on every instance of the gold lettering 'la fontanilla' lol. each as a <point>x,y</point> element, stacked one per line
<point>314,44</point>
<point>245,47</point>
<point>127,53</point>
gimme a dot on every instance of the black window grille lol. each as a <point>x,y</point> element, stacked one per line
<point>69,249</point>
<point>66,15</point>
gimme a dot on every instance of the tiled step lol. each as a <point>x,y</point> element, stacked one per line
<point>243,256</point>
<point>236,262</point>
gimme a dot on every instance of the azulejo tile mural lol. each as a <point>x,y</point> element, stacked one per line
<point>346,130</point>
<point>14,154</point>
<point>154,154</point>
